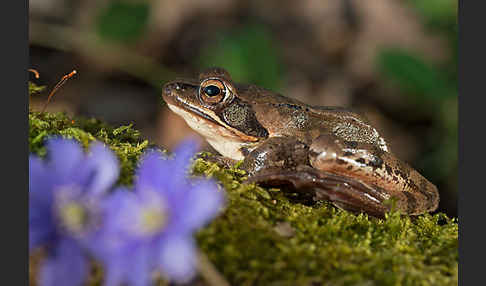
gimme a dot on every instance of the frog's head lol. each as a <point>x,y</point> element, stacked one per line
<point>212,107</point>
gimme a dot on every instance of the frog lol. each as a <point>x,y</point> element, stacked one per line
<point>326,152</point>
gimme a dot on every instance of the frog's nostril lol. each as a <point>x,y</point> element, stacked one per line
<point>167,89</point>
<point>170,87</point>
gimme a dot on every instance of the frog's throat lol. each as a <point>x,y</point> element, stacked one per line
<point>226,141</point>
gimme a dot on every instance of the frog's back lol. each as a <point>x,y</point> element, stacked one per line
<point>291,117</point>
<point>348,125</point>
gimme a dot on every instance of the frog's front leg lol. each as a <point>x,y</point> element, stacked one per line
<point>379,169</point>
<point>283,161</point>
<point>274,155</point>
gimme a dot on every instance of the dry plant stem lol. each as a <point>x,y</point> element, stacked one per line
<point>208,272</point>
<point>35,72</point>
<point>58,85</point>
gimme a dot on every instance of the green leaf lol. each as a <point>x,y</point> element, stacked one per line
<point>413,74</point>
<point>438,14</point>
<point>123,21</point>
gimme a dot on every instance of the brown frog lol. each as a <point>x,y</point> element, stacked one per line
<point>329,152</point>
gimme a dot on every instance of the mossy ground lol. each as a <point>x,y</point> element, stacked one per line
<point>265,237</point>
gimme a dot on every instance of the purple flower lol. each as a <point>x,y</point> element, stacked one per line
<point>150,228</point>
<point>64,194</point>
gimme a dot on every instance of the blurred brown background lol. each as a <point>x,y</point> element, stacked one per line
<point>395,61</point>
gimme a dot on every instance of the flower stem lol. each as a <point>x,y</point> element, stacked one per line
<point>209,273</point>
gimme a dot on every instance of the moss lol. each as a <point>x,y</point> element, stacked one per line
<point>266,237</point>
<point>35,89</point>
<point>328,247</point>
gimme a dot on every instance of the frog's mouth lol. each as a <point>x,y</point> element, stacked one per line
<point>200,119</point>
<point>196,111</point>
<point>226,141</point>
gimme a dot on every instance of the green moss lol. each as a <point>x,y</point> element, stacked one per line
<point>265,237</point>
<point>35,89</point>
<point>328,247</point>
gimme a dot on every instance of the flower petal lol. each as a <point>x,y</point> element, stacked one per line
<point>41,228</point>
<point>129,264</point>
<point>40,180</point>
<point>64,156</point>
<point>68,266</point>
<point>105,166</point>
<point>121,210</point>
<point>178,258</point>
<point>114,271</point>
<point>201,203</point>
<point>152,171</point>
<point>183,154</point>
<point>162,174</point>
<point>37,171</point>
<point>139,273</point>
<point>116,266</point>
<point>40,202</point>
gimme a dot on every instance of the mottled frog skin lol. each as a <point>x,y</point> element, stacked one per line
<point>329,152</point>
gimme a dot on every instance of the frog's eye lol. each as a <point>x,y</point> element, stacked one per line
<point>212,91</point>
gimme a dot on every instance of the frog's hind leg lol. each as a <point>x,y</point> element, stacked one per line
<point>369,164</point>
<point>345,193</point>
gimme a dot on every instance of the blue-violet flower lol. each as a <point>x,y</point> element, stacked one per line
<point>64,194</point>
<point>150,229</point>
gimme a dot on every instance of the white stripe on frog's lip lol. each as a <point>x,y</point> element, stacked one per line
<point>226,142</point>
<point>212,118</point>
<point>196,110</point>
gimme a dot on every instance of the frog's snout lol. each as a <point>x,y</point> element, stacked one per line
<point>169,87</point>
